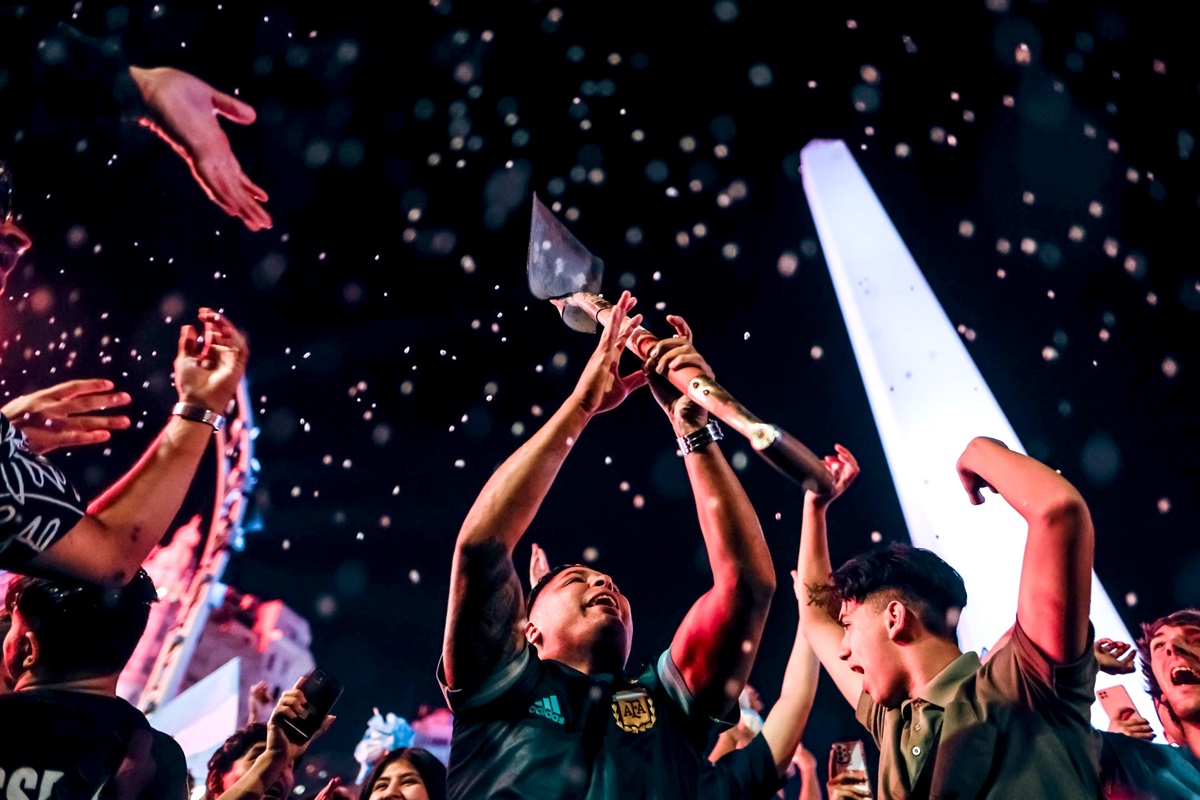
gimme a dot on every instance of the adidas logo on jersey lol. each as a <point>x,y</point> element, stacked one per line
<point>548,707</point>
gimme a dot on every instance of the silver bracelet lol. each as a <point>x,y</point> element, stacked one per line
<point>697,439</point>
<point>195,413</point>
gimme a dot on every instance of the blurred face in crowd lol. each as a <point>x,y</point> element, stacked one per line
<point>16,648</point>
<point>868,649</point>
<point>399,781</point>
<point>1175,662</point>
<point>279,790</point>
<point>581,609</point>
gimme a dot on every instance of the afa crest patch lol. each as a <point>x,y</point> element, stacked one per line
<point>633,709</point>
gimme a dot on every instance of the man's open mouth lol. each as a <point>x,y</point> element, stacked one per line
<point>604,600</point>
<point>1184,676</point>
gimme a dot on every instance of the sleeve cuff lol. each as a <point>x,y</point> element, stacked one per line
<point>672,680</point>
<point>503,678</point>
<point>1036,663</point>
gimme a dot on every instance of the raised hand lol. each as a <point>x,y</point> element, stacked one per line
<point>1115,658</point>
<point>207,373</point>
<point>330,790</point>
<point>62,415</point>
<point>290,706</point>
<point>183,112</point>
<point>539,565</point>
<point>971,480</point>
<point>844,468</point>
<point>259,703</point>
<point>601,387</point>
<point>672,354</point>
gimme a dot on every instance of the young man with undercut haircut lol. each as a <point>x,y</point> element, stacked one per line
<point>544,707</point>
<point>947,725</point>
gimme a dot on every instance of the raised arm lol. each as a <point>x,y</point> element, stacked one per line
<point>1056,573</point>
<point>279,753</point>
<point>483,620</point>
<point>823,632</point>
<point>109,543</point>
<point>715,645</point>
<point>784,726</point>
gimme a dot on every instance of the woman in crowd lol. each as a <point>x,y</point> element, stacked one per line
<point>409,773</point>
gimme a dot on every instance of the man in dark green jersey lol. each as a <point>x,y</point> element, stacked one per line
<point>544,707</point>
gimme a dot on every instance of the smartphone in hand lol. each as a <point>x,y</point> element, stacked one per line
<point>321,690</point>
<point>847,771</point>
<point>1113,700</point>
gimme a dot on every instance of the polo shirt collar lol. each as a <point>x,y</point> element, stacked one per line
<point>942,690</point>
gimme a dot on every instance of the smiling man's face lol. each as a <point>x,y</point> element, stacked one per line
<point>581,608</point>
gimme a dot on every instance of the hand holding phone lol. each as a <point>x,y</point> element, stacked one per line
<point>1113,700</point>
<point>302,712</point>
<point>1123,716</point>
<point>848,771</point>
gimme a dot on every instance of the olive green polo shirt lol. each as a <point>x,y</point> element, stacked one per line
<point>1015,727</point>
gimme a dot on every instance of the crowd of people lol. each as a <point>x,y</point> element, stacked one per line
<point>544,699</point>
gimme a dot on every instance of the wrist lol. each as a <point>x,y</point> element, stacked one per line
<point>688,424</point>
<point>699,438</point>
<point>269,765</point>
<point>817,502</point>
<point>198,413</point>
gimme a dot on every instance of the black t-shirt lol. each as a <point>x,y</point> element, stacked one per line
<point>58,745</point>
<point>748,773</point>
<point>539,730</point>
<point>38,505</point>
<point>1133,769</point>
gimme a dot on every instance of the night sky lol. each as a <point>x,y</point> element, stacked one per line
<point>1037,158</point>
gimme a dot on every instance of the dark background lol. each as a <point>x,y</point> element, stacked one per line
<point>398,358</point>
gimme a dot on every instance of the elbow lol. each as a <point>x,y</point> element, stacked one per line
<point>1067,514</point>
<point>117,575</point>
<point>472,545</point>
<point>748,588</point>
<point>757,588</point>
<point>122,572</point>
<point>479,554</point>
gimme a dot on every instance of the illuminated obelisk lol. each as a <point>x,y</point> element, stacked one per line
<point>929,401</point>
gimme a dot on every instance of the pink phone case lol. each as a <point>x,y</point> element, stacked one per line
<point>1113,699</point>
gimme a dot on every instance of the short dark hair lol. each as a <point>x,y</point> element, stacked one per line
<point>432,771</point>
<point>236,746</point>
<point>83,630</point>
<point>544,581</point>
<point>1184,616</point>
<point>926,583</point>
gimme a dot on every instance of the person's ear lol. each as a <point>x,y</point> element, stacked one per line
<point>896,620</point>
<point>29,650</point>
<point>532,635</point>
